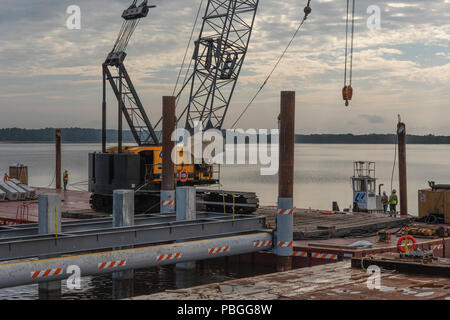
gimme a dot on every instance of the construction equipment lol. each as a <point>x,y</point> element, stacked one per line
<point>435,202</point>
<point>218,57</point>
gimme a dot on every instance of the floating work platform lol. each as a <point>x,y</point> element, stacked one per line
<point>327,282</point>
<point>75,205</point>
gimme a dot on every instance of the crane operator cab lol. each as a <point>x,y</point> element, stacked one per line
<point>364,181</point>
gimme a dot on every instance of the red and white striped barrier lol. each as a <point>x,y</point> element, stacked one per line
<point>327,256</point>
<point>286,211</point>
<point>303,254</point>
<point>284,244</point>
<point>260,244</point>
<point>167,257</point>
<point>45,273</point>
<point>436,247</point>
<point>219,250</point>
<point>167,202</point>
<point>111,264</point>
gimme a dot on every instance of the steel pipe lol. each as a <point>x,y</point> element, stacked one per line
<point>30,272</point>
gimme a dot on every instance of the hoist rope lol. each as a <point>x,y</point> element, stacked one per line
<point>351,43</point>
<point>187,49</point>
<point>271,72</point>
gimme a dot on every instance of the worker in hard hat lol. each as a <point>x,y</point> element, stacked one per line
<point>385,201</point>
<point>65,179</point>
<point>393,201</point>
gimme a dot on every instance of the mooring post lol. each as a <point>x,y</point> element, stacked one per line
<point>285,216</point>
<point>49,223</point>
<point>123,216</point>
<point>186,210</point>
<point>168,167</point>
<point>401,134</point>
<point>58,159</point>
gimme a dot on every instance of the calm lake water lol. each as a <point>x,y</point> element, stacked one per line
<point>322,175</point>
<point>322,172</point>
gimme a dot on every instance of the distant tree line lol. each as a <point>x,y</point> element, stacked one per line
<point>69,135</point>
<point>80,135</point>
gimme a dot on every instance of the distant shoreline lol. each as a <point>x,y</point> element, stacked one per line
<point>94,136</point>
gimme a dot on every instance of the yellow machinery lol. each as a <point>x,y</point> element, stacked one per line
<point>435,200</point>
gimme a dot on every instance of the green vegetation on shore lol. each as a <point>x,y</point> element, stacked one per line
<point>80,135</point>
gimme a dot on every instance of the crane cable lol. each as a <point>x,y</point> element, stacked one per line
<point>187,49</point>
<point>307,11</point>
<point>348,91</point>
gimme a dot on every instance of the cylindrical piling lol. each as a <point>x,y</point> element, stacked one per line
<point>285,216</point>
<point>58,159</point>
<point>168,167</point>
<point>401,133</point>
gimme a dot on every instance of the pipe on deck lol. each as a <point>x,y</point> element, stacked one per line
<point>37,271</point>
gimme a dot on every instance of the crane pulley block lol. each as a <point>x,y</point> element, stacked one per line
<point>133,12</point>
<point>347,94</point>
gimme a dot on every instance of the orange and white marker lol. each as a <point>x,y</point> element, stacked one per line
<point>303,254</point>
<point>168,203</point>
<point>219,250</point>
<point>284,244</point>
<point>286,211</point>
<point>170,256</point>
<point>260,244</point>
<point>326,256</point>
<point>46,273</point>
<point>436,247</point>
<point>111,264</point>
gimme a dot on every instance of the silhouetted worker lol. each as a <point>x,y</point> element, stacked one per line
<point>65,179</point>
<point>6,177</point>
<point>385,201</point>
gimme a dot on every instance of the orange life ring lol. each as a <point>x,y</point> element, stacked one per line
<point>183,176</point>
<point>401,248</point>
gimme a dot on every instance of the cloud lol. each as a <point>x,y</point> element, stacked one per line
<point>372,118</point>
<point>51,76</point>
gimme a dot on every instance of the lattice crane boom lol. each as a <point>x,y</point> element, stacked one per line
<point>218,57</point>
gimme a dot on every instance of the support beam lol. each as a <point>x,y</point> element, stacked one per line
<point>401,133</point>
<point>186,210</point>
<point>285,216</point>
<point>58,159</point>
<point>83,241</point>
<point>49,211</point>
<point>123,216</point>
<point>21,273</point>
<point>168,167</point>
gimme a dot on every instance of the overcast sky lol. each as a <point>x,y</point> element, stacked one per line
<point>51,76</point>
